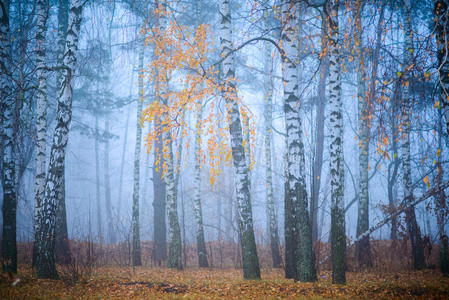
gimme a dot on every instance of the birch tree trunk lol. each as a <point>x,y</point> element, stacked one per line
<point>441,206</point>
<point>441,10</point>
<point>295,158</point>
<point>159,203</point>
<point>41,114</point>
<point>338,234</point>
<point>9,246</point>
<point>45,259</point>
<point>321,106</point>
<point>137,259</point>
<point>410,217</point>
<point>159,186</point>
<point>442,37</point>
<point>174,231</point>
<point>200,244</point>
<point>249,253</point>
<point>268,114</point>
<point>362,247</point>
<point>62,248</point>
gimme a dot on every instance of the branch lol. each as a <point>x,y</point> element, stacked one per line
<point>401,209</point>
<point>261,38</point>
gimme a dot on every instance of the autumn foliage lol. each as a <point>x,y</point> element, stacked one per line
<point>185,81</point>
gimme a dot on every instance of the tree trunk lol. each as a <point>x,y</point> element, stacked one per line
<point>410,217</point>
<point>9,246</point>
<point>268,114</point>
<point>441,10</point>
<point>45,258</point>
<point>41,115</point>
<point>107,185</point>
<point>249,252</point>
<point>62,247</point>
<point>289,226</point>
<point>137,259</point>
<point>338,234</point>
<point>442,36</point>
<point>200,244</point>
<point>295,159</point>
<point>321,106</point>
<point>97,178</point>
<point>174,232</point>
<point>159,203</point>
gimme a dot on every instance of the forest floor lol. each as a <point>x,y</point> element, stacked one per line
<point>161,283</point>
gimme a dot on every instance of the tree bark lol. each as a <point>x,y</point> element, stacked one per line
<point>9,246</point>
<point>159,203</point>
<point>45,259</point>
<point>441,9</point>
<point>137,259</point>
<point>321,106</point>
<point>41,115</point>
<point>62,247</point>
<point>200,244</point>
<point>249,252</point>
<point>295,159</point>
<point>338,234</point>
<point>410,217</point>
<point>268,114</point>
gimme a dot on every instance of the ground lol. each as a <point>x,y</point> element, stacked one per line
<point>161,283</point>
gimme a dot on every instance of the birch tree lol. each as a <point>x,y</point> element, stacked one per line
<point>62,248</point>
<point>297,191</point>
<point>319,123</point>
<point>45,256</point>
<point>197,209</point>
<point>410,217</point>
<point>249,253</point>
<point>338,235</point>
<point>9,246</point>
<point>268,115</point>
<point>137,260</point>
<point>441,9</point>
<point>41,109</point>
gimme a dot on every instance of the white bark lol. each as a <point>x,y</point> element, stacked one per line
<point>46,237</point>
<point>41,110</point>
<point>249,254</point>
<point>9,249</point>
<point>268,115</point>
<point>295,157</point>
<point>338,236</point>
<point>197,208</point>
<point>137,260</point>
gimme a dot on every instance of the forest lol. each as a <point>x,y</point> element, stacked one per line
<point>230,149</point>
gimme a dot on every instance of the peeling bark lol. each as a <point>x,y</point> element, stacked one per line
<point>250,259</point>
<point>45,258</point>
<point>338,234</point>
